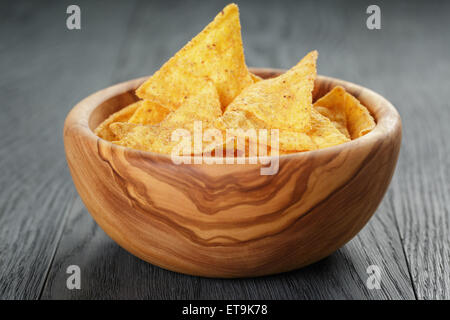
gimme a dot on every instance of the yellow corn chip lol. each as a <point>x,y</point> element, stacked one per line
<point>236,124</point>
<point>206,92</point>
<point>339,120</point>
<point>236,119</point>
<point>283,102</point>
<point>134,135</point>
<point>216,53</point>
<point>345,112</point>
<point>149,112</point>
<point>121,129</point>
<point>291,141</point>
<point>288,142</point>
<point>103,130</point>
<point>205,107</point>
<point>323,133</point>
<point>164,143</point>
<point>156,138</point>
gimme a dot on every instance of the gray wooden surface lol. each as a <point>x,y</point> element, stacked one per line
<point>45,69</point>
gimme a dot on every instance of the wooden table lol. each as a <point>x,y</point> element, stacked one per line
<point>46,69</point>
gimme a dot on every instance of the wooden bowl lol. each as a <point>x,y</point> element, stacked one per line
<point>228,220</point>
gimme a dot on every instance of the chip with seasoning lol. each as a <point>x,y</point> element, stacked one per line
<point>204,106</point>
<point>345,112</point>
<point>283,102</point>
<point>323,133</point>
<point>216,53</point>
<point>149,112</point>
<point>205,100</point>
<point>104,131</point>
<point>200,110</point>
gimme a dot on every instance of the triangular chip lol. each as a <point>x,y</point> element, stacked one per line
<point>199,110</point>
<point>237,120</point>
<point>103,130</point>
<point>121,129</point>
<point>323,133</point>
<point>290,141</point>
<point>345,112</point>
<point>235,123</point>
<point>216,53</point>
<point>205,107</point>
<point>283,102</point>
<point>149,112</point>
<point>284,141</point>
<point>133,135</point>
<point>158,139</point>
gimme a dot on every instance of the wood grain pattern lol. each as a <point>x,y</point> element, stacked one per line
<point>228,220</point>
<point>420,195</point>
<point>40,60</point>
<point>110,272</point>
<point>407,61</point>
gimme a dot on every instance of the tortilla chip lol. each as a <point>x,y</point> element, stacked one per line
<point>283,102</point>
<point>288,142</point>
<point>205,107</point>
<point>291,141</point>
<point>132,135</point>
<point>121,129</point>
<point>156,138</point>
<point>216,53</point>
<point>345,112</point>
<point>149,112</point>
<point>323,133</point>
<point>206,91</point>
<point>103,130</point>
<point>240,127</point>
<point>339,120</point>
<point>236,120</point>
<point>144,137</point>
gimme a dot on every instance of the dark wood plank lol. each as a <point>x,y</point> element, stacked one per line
<point>276,36</point>
<point>420,195</point>
<point>407,61</point>
<point>46,69</point>
<point>109,272</point>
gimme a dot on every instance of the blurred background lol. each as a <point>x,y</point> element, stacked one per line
<point>46,69</point>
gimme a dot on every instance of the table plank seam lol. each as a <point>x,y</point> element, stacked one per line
<point>58,241</point>
<point>70,207</point>
<point>408,266</point>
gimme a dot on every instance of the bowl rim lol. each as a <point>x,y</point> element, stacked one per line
<point>81,113</point>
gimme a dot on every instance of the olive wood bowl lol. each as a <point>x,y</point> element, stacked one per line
<point>229,220</point>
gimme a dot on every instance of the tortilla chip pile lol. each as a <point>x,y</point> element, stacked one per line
<point>208,81</point>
